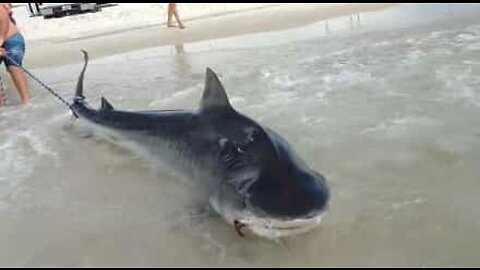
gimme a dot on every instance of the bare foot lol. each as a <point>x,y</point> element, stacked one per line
<point>181,26</point>
<point>26,101</point>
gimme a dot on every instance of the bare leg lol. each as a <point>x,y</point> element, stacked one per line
<point>20,80</point>
<point>180,24</point>
<point>171,8</point>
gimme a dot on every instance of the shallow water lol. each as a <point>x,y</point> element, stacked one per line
<point>388,112</point>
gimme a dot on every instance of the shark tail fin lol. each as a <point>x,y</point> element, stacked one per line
<point>79,89</point>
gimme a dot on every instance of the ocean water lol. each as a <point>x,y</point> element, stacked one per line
<point>384,104</point>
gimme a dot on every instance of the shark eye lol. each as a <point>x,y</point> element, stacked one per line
<point>228,146</point>
<point>252,134</point>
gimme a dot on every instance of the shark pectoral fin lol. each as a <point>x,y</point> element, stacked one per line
<point>106,105</point>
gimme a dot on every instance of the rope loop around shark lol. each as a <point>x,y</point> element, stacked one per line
<point>254,178</point>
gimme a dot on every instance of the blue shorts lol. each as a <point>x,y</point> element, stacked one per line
<point>15,47</point>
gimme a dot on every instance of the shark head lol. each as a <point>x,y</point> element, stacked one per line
<point>266,187</point>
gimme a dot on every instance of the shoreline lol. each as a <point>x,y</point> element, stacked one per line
<point>44,53</point>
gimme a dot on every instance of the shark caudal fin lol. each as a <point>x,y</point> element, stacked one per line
<point>79,88</point>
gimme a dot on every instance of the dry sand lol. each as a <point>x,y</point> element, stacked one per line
<point>42,53</point>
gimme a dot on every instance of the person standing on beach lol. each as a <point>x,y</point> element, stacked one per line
<point>12,44</point>
<point>172,11</point>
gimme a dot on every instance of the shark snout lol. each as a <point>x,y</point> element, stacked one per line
<point>283,204</point>
<point>289,195</point>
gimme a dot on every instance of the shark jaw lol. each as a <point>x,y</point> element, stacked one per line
<point>274,228</point>
<point>266,227</point>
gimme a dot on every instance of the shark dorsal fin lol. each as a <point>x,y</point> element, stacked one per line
<point>106,105</point>
<point>214,95</point>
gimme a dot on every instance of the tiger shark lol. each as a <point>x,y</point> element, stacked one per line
<point>254,179</point>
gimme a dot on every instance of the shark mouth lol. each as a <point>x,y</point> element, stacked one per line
<point>273,228</point>
<point>266,227</point>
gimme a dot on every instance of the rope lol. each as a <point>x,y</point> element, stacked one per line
<point>39,81</point>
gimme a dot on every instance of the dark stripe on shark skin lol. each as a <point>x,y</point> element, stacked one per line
<point>250,169</point>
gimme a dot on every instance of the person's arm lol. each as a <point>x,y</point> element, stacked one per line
<point>4,23</point>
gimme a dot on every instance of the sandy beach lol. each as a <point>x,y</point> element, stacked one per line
<point>105,41</point>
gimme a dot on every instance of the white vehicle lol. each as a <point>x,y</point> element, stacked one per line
<point>56,10</point>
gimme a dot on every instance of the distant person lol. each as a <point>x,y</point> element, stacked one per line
<point>172,10</point>
<point>12,44</point>
<point>33,11</point>
<point>37,6</point>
